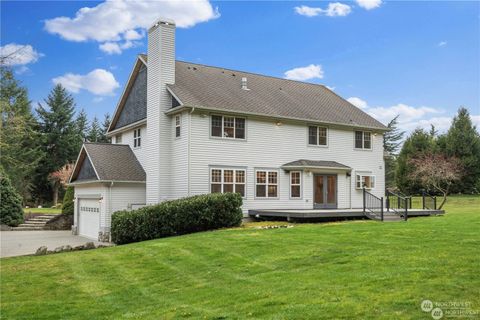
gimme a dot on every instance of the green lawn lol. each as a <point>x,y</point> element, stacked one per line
<point>42,210</point>
<point>354,269</point>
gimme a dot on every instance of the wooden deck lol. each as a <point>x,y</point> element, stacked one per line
<point>329,213</point>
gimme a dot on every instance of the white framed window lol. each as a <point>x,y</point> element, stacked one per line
<point>364,180</point>
<point>295,184</point>
<point>363,140</point>
<point>317,136</point>
<point>178,123</point>
<point>224,180</point>
<point>266,184</point>
<point>228,127</point>
<point>118,138</point>
<point>137,138</point>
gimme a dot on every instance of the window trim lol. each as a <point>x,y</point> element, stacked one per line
<point>222,169</point>
<point>363,140</point>
<point>267,170</point>
<point>137,138</point>
<point>178,125</point>
<point>362,175</point>
<point>318,145</point>
<point>119,135</point>
<point>299,184</point>
<point>223,127</point>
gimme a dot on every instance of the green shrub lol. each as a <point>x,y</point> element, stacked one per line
<point>176,217</point>
<point>11,211</point>
<point>68,204</point>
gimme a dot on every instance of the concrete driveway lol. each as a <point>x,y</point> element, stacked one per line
<point>18,243</point>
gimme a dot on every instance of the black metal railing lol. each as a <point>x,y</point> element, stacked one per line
<point>429,202</point>
<point>372,206</point>
<point>399,204</point>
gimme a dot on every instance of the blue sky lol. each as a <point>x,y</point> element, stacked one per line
<point>417,59</point>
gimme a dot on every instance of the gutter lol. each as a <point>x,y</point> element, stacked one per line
<point>187,107</point>
<point>101,181</point>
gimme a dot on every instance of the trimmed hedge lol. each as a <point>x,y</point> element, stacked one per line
<point>176,217</point>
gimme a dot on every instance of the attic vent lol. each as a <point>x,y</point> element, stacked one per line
<point>244,84</point>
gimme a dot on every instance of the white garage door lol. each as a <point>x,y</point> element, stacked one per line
<point>89,218</point>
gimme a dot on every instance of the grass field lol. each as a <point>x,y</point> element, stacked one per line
<point>42,210</point>
<point>346,270</point>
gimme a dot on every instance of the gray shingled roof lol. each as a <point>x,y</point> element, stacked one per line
<point>315,163</point>
<point>115,162</point>
<point>217,88</point>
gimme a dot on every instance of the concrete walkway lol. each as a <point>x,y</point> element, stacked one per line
<point>18,243</point>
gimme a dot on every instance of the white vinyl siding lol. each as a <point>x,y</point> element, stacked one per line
<point>271,146</point>
<point>118,138</point>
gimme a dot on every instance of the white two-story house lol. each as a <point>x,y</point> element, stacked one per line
<point>183,129</point>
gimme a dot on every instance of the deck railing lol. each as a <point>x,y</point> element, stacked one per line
<point>429,202</point>
<point>372,205</point>
<point>399,204</point>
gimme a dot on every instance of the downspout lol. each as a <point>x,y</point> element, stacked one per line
<point>188,149</point>
<point>110,202</point>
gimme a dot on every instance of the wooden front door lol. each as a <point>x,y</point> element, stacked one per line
<point>325,191</point>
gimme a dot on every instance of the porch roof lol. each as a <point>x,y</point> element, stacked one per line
<point>315,164</point>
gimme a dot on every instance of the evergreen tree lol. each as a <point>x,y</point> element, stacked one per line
<point>60,136</point>
<point>391,143</point>
<point>68,204</point>
<point>95,131</point>
<point>11,212</point>
<point>463,142</point>
<point>105,125</point>
<point>416,145</point>
<point>81,124</point>
<point>19,136</point>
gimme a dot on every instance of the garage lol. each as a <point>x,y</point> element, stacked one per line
<point>89,218</point>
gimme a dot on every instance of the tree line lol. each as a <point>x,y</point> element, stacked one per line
<point>37,144</point>
<point>434,163</point>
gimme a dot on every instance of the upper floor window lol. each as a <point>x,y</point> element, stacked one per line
<point>118,138</point>
<point>227,180</point>
<point>228,127</point>
<point>137,138</point>
<point>178,122</point>
<point>266,184</point>
<point>363,140</point>
<point>365,180</point>
<point>295,184</point>
<point>317,136</point>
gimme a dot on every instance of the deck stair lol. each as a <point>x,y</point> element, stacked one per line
<point>35,223</point>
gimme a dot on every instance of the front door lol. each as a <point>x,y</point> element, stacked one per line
<point>325,191</point>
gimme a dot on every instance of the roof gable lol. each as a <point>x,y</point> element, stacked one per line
<point>132,106</point>
<point>109,162</point>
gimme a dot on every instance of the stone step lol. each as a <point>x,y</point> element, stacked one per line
<point>31,225</point>
<point>47,216</point>
<point>36,222</point>
<point>41,218</point>
<point>27,228</point>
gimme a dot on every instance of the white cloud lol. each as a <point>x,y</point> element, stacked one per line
<point>98,82</point>
<point>476,120</point>
<point>407,113</point>
<point>22,69</point>
<point>313,71</point>
<point>14,54</point>
<point>410,117</point>
<point>369,4</point>
<point>98,99</point>
<point>124,20</point>
<point>330,88</point>
<point>334,9</point>
<point>357,102</point>
<point>110,48</point>
<point>442,43</point>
